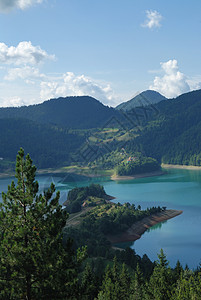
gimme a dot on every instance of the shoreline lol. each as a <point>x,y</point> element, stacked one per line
<point>137,229</point>
<point>112,177</point>
<point>185,167</point>
<point>143,175</point>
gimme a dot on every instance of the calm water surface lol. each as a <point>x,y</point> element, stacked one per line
<point>179,237</point>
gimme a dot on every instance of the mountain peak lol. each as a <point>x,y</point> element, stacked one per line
<point>143,99</point>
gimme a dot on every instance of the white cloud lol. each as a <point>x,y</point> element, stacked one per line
<point>153,20</point>
<point>194,82</point>
<point>7,5</point>
<point>27,73</point>
<point>12,101</point>
<point>173,82</point>
<point>21,66</point>
<point>24,53</point>
<point>72,85</point>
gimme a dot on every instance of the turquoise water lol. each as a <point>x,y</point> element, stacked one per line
<point>179,237</point>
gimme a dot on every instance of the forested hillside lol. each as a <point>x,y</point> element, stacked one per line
<point>71,112</point>
<point>54,131</point>
<point>49,146</point>
<point>173,135</point>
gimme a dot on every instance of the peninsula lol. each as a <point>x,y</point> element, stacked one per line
<point>137,229</point>
<point>92,214</point>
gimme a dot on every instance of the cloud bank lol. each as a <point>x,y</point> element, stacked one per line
<point>20,67</point>
<point>24,53</point>
<point>12,102</point>
<point>8,5</point>
<point>173,82</point>
<point>29,74</point>
<point>76,85</point>
<point>153,19</point>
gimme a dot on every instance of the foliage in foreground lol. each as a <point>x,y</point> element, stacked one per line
<point>164,283</point>
<point>34,264</point>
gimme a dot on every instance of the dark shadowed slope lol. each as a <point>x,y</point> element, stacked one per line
<point>71,112</point>
<point>49,146</point>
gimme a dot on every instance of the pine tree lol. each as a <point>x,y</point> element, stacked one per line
<point>160,284</point>
<point>124,280</point>
<point>34,264</point>
<point>178,270</point>
<point>185,289</point>
<point>110,289</point>
<point>88,284</point>
<point>137,285</point>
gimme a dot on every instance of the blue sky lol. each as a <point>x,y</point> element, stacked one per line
<point>110,50</point>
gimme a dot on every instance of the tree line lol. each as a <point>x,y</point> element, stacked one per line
<point>138,165</point>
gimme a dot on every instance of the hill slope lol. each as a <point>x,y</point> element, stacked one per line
<point>174,135</point>
<point>50,131</point>
<point>48,146</point>
<point>71,112</point>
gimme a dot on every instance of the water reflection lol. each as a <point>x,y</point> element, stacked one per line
<point>156,226</point>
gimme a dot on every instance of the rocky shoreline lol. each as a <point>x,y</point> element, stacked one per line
<point>138,228</point>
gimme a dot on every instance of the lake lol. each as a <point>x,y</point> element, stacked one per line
<point>179,237</point>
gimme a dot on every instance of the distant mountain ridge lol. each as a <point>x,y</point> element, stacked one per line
<point>54,131</point>
<point>70,112</point>
<point>143,99</point>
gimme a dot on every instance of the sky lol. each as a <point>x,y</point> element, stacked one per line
<point>111,50</point>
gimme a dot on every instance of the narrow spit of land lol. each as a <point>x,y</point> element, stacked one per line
<point>169,166</point>
<point>143,175</point>
<point>138,228</point>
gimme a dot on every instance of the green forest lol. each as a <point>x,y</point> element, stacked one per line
<point>172,135</point>
<point>100,150</point>
<point>82,131</point>
<point>93,218</point>
<point>47,253</point>
<point>138,165</point>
